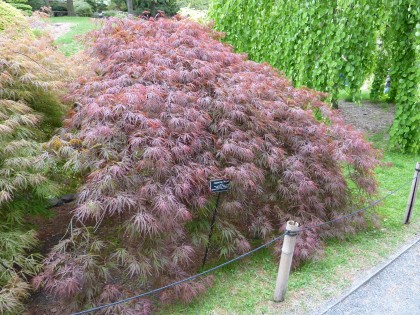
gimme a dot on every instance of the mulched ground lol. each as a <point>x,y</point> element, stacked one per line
<point>50,232</point>
<point>370,117</point>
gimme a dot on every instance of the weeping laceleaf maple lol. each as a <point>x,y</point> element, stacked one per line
<point>170,108</point>
<point>32,76</point>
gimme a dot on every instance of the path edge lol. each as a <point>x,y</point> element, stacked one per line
<point>367,277</point>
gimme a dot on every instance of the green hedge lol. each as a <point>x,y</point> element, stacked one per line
<point>11,17</point>
<point>82,8</point>
<point>21,5</point>
<point>334,45</point>
<point>324,45</point>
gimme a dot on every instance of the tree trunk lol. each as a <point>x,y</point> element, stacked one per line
<point>130,6</point>
<point>70,8</point>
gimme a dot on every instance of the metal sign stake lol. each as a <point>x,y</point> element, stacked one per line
<point>216,186</point>
<point>213,220</point>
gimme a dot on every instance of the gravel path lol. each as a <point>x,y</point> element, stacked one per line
<point>59,29</point>
<point>395,290</point>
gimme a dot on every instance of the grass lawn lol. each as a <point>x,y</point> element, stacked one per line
<point>80,25</point>
<point>247,286</point>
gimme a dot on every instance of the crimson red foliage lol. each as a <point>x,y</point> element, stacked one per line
<point>170,108</point>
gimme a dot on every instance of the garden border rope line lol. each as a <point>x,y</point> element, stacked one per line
<point>183,280</point>
<point>360,210</point>
<point>241,256</point>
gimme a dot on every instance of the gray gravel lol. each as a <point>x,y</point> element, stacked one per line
<point>395,290</point>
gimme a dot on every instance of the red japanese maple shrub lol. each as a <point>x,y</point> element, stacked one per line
<point>169,109</point>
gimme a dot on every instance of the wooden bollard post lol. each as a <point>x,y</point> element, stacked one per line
<point>412,196</point>
<point>286,260</point>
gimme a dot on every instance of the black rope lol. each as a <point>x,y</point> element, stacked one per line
<point>183,280</point>
<point>372,204</point>
<point>290,233</point>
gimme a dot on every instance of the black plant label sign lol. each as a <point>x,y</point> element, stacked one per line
<point>219,185</point>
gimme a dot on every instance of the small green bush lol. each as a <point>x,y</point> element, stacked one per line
<point>170,7</point>
<point>59,7</point>
<point>21,5</point>
<point>82,8</point>
<point>36,4</point>
<point>11,17</point>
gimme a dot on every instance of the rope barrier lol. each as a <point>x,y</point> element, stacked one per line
<point>242,256</point>
<point>183,280</point>
<point>372,204</point>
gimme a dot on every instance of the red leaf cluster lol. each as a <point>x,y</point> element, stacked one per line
<point>171,108</point>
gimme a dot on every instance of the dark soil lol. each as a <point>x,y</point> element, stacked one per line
<point>50,232</point>
<point>372,118</point>
<point>52,229</point>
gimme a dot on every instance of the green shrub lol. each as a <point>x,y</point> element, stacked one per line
<point>21,5</point>
<point>36,4</point>
<point>97,5</point>
<point>59,7</point>
<point>82,8</point>
<point>11,17</point>
<point>329,46</point>
<point>31,81</point>
<point>170,7</point>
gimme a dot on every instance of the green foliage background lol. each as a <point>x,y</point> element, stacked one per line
<point>82,8</point>
<point>320,44</point>
<point>11,17</point>
<point>170,7</point>
<point>333,45</point>
<point>402,44</point>
<point>21,5</point>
